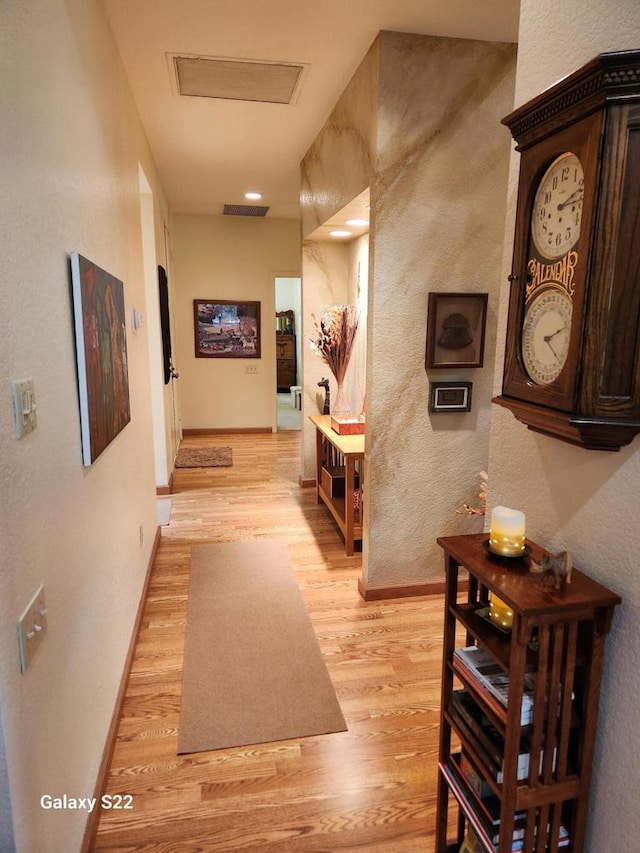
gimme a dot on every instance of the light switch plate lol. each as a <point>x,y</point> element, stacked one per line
<point>32,627</point>
<point>24,406</point>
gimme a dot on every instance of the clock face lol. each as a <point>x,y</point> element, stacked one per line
<point>545,335</point>
<point>557,207</point>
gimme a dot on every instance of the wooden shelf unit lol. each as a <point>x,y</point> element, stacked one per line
<point>333,450</point>
<point>557,642</point>
<point>285,361</point>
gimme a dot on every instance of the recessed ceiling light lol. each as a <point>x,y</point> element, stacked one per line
<point>253,196</point>
<point>357,223</point>
<point>339,233</point>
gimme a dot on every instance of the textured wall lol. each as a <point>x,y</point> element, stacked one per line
<point>325,275</point>
<point>583,500</point>
<point>438,206</point>
<point>229,257</point>
<point>71,144</point>
<point>437,158</point>
<point>339,164</point>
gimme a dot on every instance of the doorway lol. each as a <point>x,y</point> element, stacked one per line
<point>163,403</point>
<point>288,326</point>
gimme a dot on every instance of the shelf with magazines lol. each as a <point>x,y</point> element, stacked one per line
<point>519,706</point>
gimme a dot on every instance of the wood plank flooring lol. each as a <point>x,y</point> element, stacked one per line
<point>370,789</point>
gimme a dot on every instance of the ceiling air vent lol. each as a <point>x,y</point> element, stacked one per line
<point>244,210</point>
<point>237,79</point>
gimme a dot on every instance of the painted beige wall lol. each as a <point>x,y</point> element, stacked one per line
<point>71,143</point>
<point>583,500</point>
<point>229,257</point>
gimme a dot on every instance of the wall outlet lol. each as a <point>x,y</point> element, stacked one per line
<point>141,533</point>
<point>251,368</point>
<point>32,627</point>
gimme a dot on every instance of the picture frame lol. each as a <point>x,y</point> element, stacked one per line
<point>101,355</point>
<point>455,330</point>
<point>226,328</point>
<point>450,397</point>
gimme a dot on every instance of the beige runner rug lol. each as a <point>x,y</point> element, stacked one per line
<point>253,669</point>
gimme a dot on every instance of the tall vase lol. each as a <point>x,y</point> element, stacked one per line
<point>341,404</point>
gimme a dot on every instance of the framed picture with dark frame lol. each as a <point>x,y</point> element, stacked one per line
<point>226,329</point>
<point>455,330</point>
<point>449,397</point>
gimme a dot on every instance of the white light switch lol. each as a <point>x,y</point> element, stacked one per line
<point>24,406</point>
<point>32,626</point>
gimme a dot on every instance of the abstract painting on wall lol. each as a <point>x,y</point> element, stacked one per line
<point>101,350</point>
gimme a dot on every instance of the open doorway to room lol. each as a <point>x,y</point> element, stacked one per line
<point>288,327</point>
<point>164,410</point>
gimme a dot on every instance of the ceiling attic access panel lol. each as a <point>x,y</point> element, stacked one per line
<point>237,79</point>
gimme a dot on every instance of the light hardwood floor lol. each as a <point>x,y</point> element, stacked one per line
<point>370,789</point>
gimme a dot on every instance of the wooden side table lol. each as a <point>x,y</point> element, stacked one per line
<point>334,454</point>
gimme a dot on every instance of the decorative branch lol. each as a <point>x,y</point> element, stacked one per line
<point>482,495</point>
<point>335,334</point>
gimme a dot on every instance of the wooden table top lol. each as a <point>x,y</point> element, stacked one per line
<point>512,581</point>
<point>347,444</point>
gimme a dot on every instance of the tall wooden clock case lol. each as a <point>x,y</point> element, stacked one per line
<point>572,358</point>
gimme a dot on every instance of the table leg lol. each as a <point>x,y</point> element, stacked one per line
<point>349,512</point>
<point>319,449</point>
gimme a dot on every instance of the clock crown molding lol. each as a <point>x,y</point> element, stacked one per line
<point>609,77</point>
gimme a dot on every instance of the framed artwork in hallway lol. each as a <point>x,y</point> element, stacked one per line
<point>226,329</point>
<point>455,330</point>
<point>101,353</point>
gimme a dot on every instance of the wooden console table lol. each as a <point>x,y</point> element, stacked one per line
<point>346,452</point>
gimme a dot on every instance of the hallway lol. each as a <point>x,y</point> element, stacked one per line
<point>371,788</point>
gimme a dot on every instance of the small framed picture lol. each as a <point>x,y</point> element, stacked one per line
<point>450,397</point>
<point>455,330</point>
<point>226,329</point>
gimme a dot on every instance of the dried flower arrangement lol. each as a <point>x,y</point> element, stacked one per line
<point>482,495</point>
<point>335,334</point>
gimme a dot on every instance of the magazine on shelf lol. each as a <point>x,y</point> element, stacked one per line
<point>481,667</point>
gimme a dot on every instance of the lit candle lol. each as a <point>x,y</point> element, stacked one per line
<point>506,534</point>
<point>499,612</point>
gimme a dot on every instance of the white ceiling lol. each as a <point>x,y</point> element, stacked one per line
<point>210,151</point>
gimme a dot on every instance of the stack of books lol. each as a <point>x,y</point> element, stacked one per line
<point>486,739</point>
<point>471,843</point>
<point>483,813</point>
<point>479,668</point>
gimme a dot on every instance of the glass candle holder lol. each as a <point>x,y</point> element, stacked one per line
<point>499,612</point>
<point>506,533</point>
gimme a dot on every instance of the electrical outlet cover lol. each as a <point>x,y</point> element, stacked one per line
<point>32,627</point>
<point>24,406</point>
